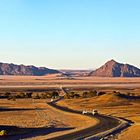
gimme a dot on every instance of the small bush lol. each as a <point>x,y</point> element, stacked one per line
<point>100,93</point>
<point>67,96</point>
<point>3,133</point>
<point>36,96</point>
<point>13,98</point>
<point>89,94</point>
<point>55,94</point>
<point>76,95</point>
<point>20,95</point>
<point>71,95</point>
<point>7,94</point>
<point>28,95</point>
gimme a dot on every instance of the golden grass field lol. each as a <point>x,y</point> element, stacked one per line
<point>23,114</point>
<point>107,104</point>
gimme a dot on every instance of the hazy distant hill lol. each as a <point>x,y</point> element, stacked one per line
<point>115,69</point>
<point>12,69</point>
<point>75,73</point>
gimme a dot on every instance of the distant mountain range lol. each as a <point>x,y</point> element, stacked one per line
<point>12,69</point>
<point>115,69</point>
<point>75,73</point>
<point>109,69</point>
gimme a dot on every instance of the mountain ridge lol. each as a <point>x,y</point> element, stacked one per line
<point>111,68</point>
<point>114,69</point>
<point>14,69</point>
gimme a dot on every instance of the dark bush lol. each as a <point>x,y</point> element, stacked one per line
<point>85,94</point>
<point>36,96</point>
<point>92,93</point>
<point>76,95</point>
<point>7,94</point>
<point>28,95</point>
<point>71,95</point>
<point>22,95</point>
<point>67,96</point>
<point>55,94</point>
<point>100,93</point>
<point>12,98</point>
<point>89,94</point>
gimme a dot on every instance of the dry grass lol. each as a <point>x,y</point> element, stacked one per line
<point>132,133</point>
<point>110,104</point>
<point>53,80</point>
<point>44,116</point>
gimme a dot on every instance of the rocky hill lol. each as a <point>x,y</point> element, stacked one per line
<point>115,69</point>
<point>12,69</point>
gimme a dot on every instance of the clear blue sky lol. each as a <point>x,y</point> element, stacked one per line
<point>76,34</point>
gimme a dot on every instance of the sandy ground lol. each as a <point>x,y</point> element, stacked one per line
<point>33,118</point>
<point>116,107</point>
<point>22,113</point>
<point>132,133</point>
<point>45,81</point>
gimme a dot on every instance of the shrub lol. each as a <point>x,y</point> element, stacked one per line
<point>12,98</point>
<point>3,133</point>
<point>71,94</point>
<point>55,94</point>
<point>89,94</point>
<point>76,95</point>
<point>36,96</point>
<point>92,93</point>
<point>67,96</point>
<point>28,95</point>
<point>22,95</point>
<point>100,93</point>
<point>85,94</point>
<point>7,94</point>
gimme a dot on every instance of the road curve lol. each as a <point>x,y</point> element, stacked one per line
<point>104,127</point>
<point>106,123</point>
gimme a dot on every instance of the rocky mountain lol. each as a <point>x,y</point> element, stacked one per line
<point>115,69</point>
<point>12,69</point>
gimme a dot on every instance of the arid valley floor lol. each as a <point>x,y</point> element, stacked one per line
<point>36,117</point>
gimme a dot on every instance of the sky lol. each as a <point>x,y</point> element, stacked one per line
<point>69,34</point>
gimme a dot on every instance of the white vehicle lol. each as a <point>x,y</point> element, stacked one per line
<point>84,112</point>
<point>94,112</point>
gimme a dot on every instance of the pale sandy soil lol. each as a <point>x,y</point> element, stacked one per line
<point>45,81</point>
<point>110,105</point>
<point>132,133</point>
<point>44,116</point>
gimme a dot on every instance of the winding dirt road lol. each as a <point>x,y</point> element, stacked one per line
<point>105,124</point>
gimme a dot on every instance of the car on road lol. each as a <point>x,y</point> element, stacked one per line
<point>95,112</point>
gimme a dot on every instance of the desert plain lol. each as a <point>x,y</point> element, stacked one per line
<point>34,115</point>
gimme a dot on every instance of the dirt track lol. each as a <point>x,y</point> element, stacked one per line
<point>105,123</point>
